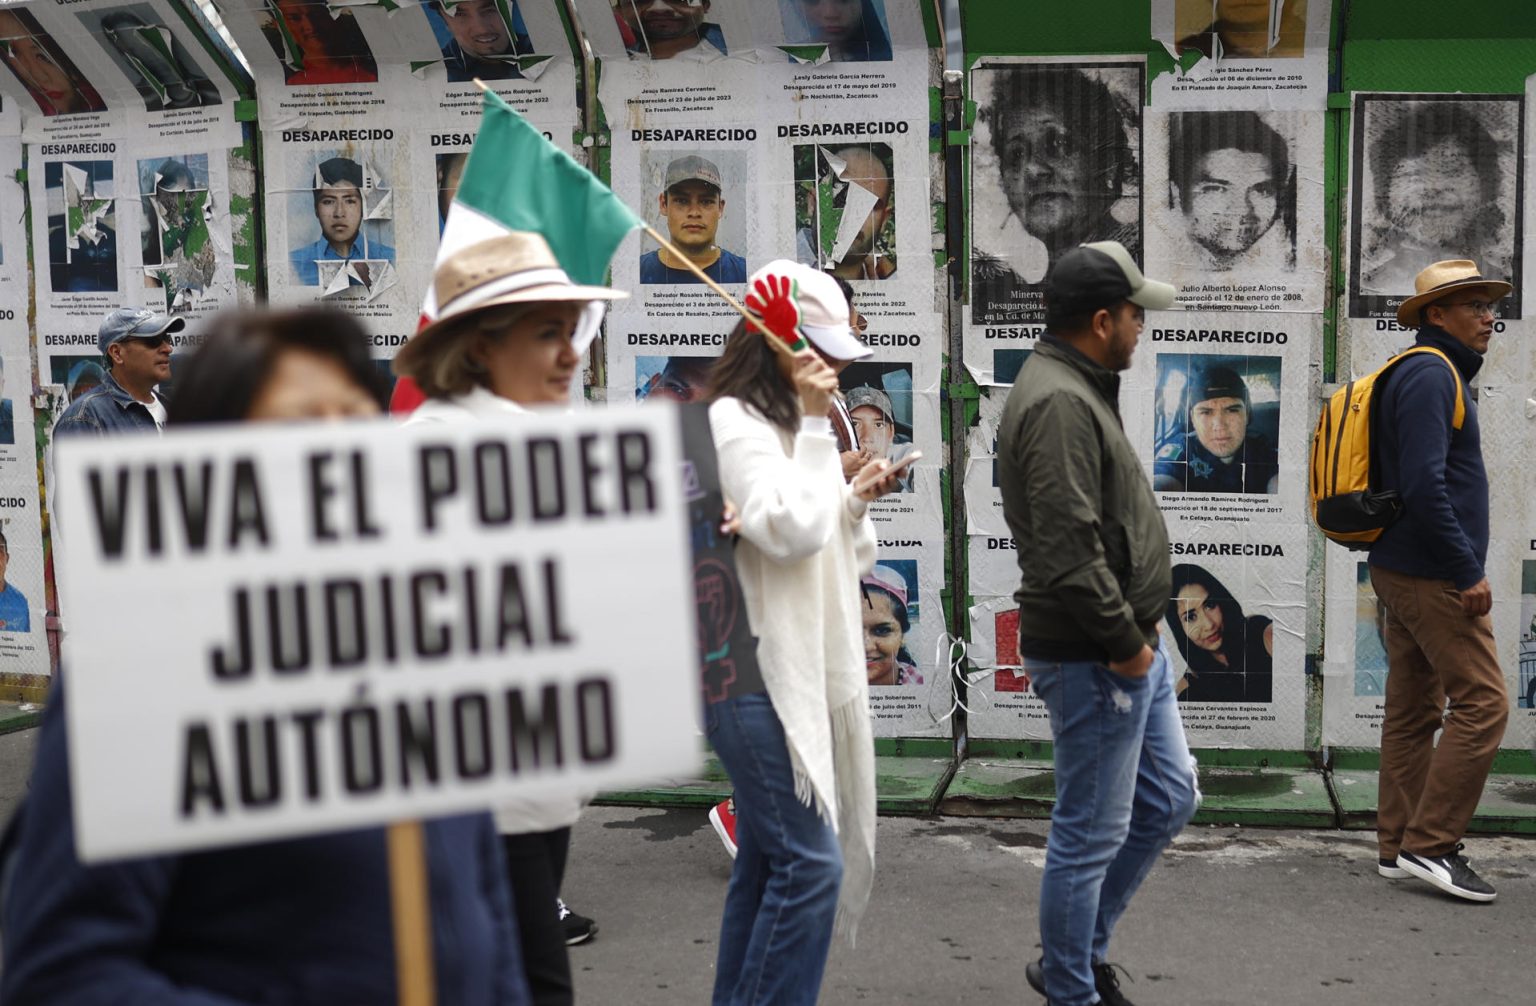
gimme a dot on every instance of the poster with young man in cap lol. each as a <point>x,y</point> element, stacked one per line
<point>692,202</point>
<point>384,103</point>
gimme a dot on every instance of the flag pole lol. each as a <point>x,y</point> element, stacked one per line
<point>408,896</point>
<point>752,324</point>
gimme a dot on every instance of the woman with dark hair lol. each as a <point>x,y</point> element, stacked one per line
<point>1230,657</point>
<point>887,660</point>
<point>851,29</point>
<point>305,363</point>
<point>800,755</point>
<point>304,921</point>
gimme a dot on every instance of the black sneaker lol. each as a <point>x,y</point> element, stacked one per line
<point>1388,868</point>
<point>1107,984</point>
<point>1034,973</point>
<point>1450,873</point>
<point>577,928</point>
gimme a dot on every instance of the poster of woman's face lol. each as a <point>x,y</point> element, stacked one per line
<point>318,43</point>
<point>889,603</point>
<point>82,227</point>
<point>136,39</point>
<point>1228,653</point>
<point>1056,162</point>
<point>1433,177</point>
<point>851,30</point>
<point>36,60</point>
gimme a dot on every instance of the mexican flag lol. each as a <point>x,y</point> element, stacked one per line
<point>516,180</point>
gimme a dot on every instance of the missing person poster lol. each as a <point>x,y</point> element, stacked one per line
<point>1433,177</point>
<point>129,122</point>
<point>1055,160</point>
<point>1235,208</point>
<point>1246,53</point>
<point>368,112</point>
<point>379,623</point>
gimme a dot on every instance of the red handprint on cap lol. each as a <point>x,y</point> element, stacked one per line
<point>774,304</point>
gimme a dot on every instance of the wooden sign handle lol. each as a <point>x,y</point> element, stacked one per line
<point>412,913</point>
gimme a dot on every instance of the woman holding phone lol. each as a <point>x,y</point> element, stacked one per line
<point>800,754</point>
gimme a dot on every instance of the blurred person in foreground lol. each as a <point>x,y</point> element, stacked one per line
<point>305,921</point>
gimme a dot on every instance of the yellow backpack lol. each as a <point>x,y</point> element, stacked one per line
<point>1347,504</point>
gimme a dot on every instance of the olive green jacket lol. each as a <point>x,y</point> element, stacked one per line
<point>1092,547</point>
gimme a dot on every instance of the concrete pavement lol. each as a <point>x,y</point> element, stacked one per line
<point>1231,916</point>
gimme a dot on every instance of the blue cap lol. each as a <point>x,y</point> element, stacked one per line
<point>135,323</point>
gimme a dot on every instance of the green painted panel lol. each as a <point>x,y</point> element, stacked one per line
<point>1508,803</point>
<point>1436,19</point>
<point>1039,26</point>
<point>904,784</point>
<point>1487,65</point>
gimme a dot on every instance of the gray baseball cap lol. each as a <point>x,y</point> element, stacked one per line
<point>865,395</point>
<point>692,168</point>
<point>135,323</point>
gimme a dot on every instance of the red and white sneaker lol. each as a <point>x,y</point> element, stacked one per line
<point>723,816</point>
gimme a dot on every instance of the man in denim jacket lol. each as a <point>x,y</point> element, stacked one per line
<point>136,344</point>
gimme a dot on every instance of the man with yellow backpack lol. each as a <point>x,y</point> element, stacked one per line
<point>1427,570</point>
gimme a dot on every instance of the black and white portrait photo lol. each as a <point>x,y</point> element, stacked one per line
<point>1232,191</point>
<point>1235,214</point>
<point>1056,161</point>
<point>1434,177</point>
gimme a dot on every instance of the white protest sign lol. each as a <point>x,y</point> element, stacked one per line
<point>278,630</point>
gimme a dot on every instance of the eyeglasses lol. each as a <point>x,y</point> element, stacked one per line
<point>1478,307</point>
<point>860,323</point>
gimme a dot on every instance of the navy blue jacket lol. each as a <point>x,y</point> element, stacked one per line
<point>1443,533</point>
<point>303,922</point>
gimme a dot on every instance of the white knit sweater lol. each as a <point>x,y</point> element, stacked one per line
<point>806,540</point>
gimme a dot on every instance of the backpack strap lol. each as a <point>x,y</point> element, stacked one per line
<point>1459,412</point>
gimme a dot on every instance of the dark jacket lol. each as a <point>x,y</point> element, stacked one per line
<point>1093,551</point>
<point>299,922</point>
<point>1443,532</point>
<point>105,409</point>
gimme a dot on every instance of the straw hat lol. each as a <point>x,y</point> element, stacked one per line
<point>1443,278</point>
<point>514,268</point>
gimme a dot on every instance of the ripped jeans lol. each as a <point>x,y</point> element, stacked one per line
<point>1125,786</point>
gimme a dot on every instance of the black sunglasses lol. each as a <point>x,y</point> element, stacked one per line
<point>153,341</point>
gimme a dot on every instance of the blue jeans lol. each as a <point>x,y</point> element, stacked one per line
<point>1125,786</point>
<point>777,926</point>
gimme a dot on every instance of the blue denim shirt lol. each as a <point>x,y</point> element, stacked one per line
<point>104,410</point>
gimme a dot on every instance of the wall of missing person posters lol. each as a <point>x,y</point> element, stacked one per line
<point>1212,177</point>
<point>746,133</point>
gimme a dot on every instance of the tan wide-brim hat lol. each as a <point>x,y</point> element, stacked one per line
<point>1444,278</point>
<point>514,268</point>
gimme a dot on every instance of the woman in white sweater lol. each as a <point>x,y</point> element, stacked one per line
<point>800,756</point>
<point>510,334</point>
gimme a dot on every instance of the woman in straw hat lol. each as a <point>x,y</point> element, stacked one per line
<point>800,756</point>
<point>510,334</point>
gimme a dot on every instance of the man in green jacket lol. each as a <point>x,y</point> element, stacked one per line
<point>1095,579</point>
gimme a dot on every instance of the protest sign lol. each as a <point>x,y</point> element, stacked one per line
<point>349,625</point>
